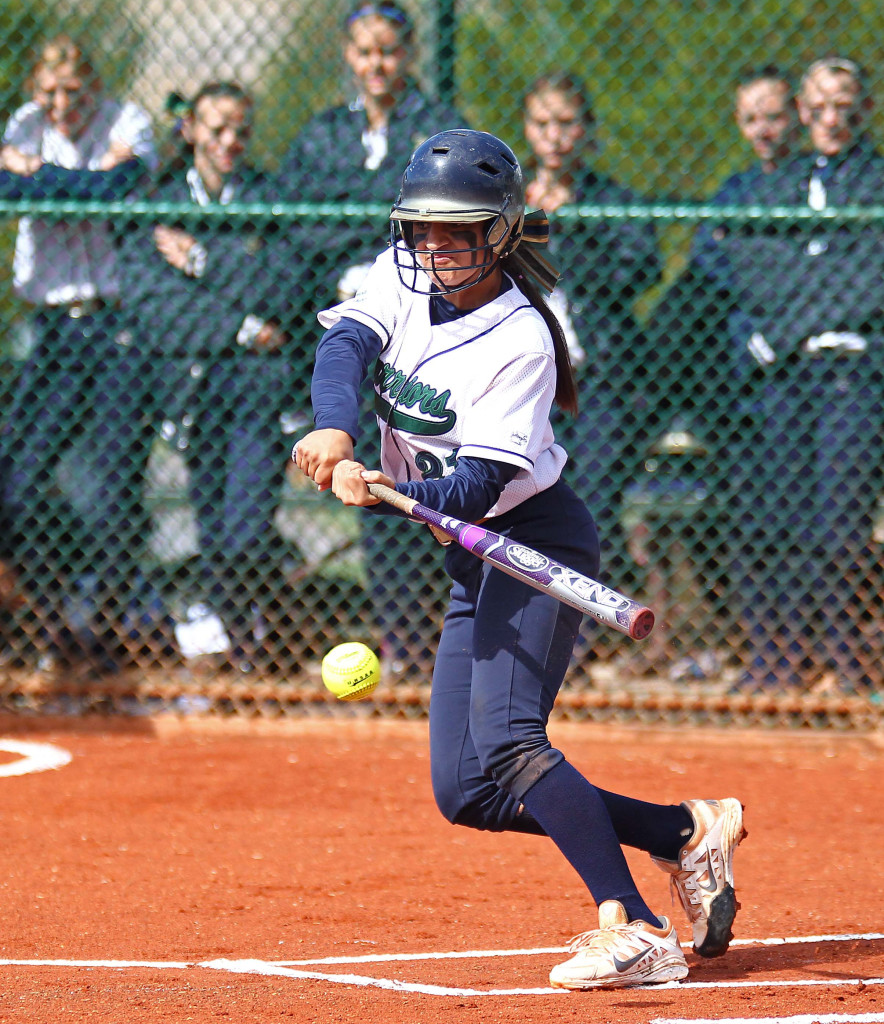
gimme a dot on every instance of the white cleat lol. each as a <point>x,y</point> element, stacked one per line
<point>621,953</point>
<point>703,876</point>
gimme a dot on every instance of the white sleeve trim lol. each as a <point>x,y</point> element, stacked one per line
<point>478,451</point>
<point>330,317</point>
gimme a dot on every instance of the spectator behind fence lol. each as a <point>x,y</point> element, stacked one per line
<point>606,265</point>
<point>70,539</point>
<point>355,153</point>
<point>766,115</point>
<point>206,306</point>
<point>695,388</point>
<point>812,301</point>
<point>692,315</point>
<point>48,182</point>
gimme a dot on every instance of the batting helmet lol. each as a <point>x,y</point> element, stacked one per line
<point>460,176</point>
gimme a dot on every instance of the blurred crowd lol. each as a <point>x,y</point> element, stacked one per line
<point>728,441</point>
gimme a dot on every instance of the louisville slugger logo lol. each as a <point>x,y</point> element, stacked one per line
<point>406,393</point>
<point>525,558</point>
<point>587,589</point>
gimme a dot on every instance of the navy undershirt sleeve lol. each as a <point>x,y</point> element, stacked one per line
<point>343,356</point>
<point>468,493</point>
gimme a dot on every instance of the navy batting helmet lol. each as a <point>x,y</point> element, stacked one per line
<point>460,176</point>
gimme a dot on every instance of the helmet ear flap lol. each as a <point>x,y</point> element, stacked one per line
<point>502,235</point>
<point>515,236</point>
<point>403,229</point>
<point>497,234</point>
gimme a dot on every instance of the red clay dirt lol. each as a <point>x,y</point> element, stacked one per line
<point>180,842</point>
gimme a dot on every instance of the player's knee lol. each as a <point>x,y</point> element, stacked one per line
<point>480,805</point>
<point>448,796</point>
<point>516,765</point>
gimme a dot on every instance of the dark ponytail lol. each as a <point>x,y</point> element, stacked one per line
<point>522,267</point>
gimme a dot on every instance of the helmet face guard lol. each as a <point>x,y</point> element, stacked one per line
<point>418,270</point>
<point>458,177</point>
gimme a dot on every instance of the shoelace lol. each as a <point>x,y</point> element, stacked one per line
<point>584,939</point>
<point>581,940</point>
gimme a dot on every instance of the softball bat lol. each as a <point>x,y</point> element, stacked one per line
<point>537,570</point>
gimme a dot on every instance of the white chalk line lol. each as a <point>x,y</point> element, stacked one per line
<point>379,958</point>
<point>386,958</point>
<point>35,757</point>
<point>177,965</point>
<point>287,969</point>
<point>392,984</point>
<point>275,970</point>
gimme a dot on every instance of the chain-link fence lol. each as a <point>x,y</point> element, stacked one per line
<point>715,188</point>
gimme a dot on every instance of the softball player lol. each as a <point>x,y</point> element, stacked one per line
<point>468,361</point>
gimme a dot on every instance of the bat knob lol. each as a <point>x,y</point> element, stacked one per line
<point>642,624</point>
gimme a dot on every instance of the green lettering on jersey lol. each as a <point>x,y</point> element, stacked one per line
<point>436,418</point>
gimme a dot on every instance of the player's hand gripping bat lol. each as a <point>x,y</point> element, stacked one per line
<point>530,566</point>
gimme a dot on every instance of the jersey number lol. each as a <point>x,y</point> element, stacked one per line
<point>430,466</point>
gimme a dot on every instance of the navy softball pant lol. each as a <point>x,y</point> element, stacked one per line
<point>503,653</point>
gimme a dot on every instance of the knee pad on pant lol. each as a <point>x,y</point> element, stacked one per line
<point>517,767</point>
<point>492,802</point>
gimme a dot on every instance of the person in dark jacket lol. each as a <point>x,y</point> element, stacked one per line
<point>766,114</point>
<point>206,303</point>
<point>811,345</point>
<point>354,152</point>
<point>20,582</point>
<point>605,266</point>
<point>62,498</point>
<point>692,359</point>
<point>690,322</point>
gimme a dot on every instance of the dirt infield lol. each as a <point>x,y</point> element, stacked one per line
<point>176,870</point>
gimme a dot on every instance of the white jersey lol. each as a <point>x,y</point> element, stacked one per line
<point>59,261</point>
<point>479,386</point>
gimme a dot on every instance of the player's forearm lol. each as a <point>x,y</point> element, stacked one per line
<point>468,493</point>
<point>335,406</point>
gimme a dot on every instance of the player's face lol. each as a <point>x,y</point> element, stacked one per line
<point>377,57</point>
<point>219,132</point>
<point>452,253</point>
<point>68,98</point>
<point>766,118</point>
<point>830,106</point>
<point>555,129</point>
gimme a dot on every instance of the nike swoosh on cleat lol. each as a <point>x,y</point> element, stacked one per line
<point>624,965</point>
<point>711,872</point>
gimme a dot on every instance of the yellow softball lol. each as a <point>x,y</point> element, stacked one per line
<point>351,671</point>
